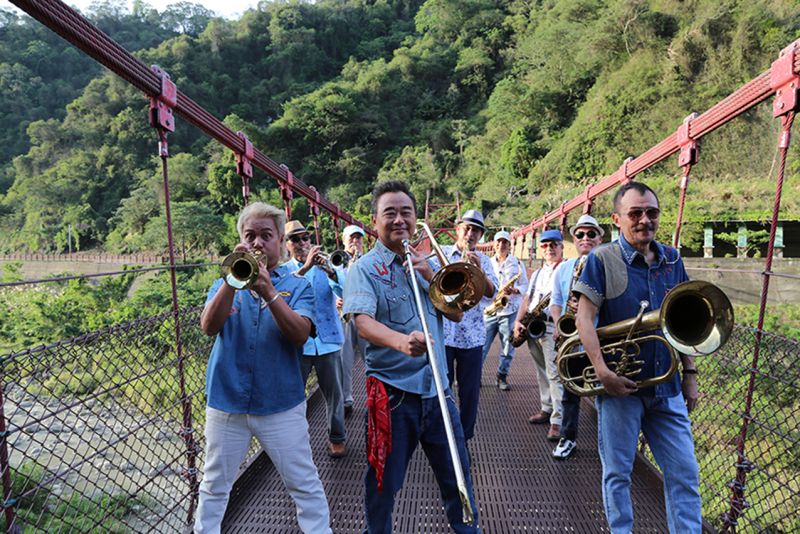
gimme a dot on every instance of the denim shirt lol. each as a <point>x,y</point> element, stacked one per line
<point>470,332</point>
<point>616,279</point>
<point>253,369</point>
<point>330,335</point>
<point>380,287</point>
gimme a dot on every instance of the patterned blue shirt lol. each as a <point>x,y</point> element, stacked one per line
<point>616,279</point>
<point>380,287</point>
<point>253,369</point>
<point>470,332</point>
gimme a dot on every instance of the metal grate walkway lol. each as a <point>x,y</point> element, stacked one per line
<point>519,487</point>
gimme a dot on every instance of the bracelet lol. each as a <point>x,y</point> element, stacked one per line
<point>273,299</point>
<point>690,371</point>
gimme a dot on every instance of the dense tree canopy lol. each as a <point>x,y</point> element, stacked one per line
<point>515,104</point>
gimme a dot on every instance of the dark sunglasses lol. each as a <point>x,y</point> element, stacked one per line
<point>298,238</point>
<point>636,213</point>
<point>591,234</point>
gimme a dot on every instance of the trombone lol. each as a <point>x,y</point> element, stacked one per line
<point>696,318</point>
<point>457,286</point>
<point>466,507</point>
<point>240,269</point>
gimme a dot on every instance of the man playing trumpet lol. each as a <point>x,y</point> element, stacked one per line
<point>616,279</point>
<point>322,352</point>
<point>403,408</point>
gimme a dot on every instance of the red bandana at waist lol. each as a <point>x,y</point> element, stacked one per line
<point>379,428</point>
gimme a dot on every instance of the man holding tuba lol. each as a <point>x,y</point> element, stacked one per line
<point>505,267</point>
<point>586,235</point>
<point>617,278</point>
<point>323,352</point>
<point>543,349</point>
<point>403,407</point>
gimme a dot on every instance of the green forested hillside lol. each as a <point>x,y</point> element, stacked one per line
<point>515,104</point>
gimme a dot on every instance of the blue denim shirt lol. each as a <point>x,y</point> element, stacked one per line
<point>330,335</point>
<point>253,369</point>
<point>379,286</point>
<point>616,278</point>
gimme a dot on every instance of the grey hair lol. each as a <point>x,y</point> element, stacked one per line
<point>262,210</point>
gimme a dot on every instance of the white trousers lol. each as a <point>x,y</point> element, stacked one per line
<point>284,437</point>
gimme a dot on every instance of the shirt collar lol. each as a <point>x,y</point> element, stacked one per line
<point>629,253</point>
<point>388,256</point>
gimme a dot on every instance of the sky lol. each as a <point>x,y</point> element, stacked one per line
<point>230,9</point>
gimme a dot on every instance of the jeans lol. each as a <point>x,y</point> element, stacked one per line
<point>329,378</point>
<point>570,411</point>
<point>666,426</point>
<point>417,420</point>
<point>505,326</point>
<point>284,437</point>
<point>353,346</point>
<point>466,366</point>
<point>550,389</point>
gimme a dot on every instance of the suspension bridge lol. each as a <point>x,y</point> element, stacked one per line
<point>104,430</point>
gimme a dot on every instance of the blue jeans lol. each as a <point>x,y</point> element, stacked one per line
<point>329,378</point>
<point>466,365</point>
<point>666,426</point>
<point>505,326</point>
<point>417,420</point>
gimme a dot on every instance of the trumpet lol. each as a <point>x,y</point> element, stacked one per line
<point>534,321</point>
<point>696,318</point>
<point>457,286</point>
<point>337,259</point>
<point>240,269</point>
<point>501,300</point>
<point>466,507</point>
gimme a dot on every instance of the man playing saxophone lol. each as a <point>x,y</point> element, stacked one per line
<point>617,278</point>
<point>586,235</point>
<point>506,267</point>
<point>543,349</point>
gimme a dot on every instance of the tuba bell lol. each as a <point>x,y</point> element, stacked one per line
<point>696,318</point>
<point>457,286</point>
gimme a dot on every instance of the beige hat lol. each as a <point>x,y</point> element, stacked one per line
<point>294,228</point>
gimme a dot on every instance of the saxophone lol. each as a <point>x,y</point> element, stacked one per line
<point>565,325</point>
<point>534,321</point>
<point>501,300</point>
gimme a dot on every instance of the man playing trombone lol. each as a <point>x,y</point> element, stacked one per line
<point>402,401</point>
<point>322,352</point>
<point>618,279</point>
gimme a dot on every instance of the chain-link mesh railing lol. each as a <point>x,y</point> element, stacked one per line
<point>94,428</point>
<point>772,443</point>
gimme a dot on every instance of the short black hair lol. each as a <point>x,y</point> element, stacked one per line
<point>391,186</point>
<point>641,188</point>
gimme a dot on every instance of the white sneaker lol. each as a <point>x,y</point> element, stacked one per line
<point>564,449</point>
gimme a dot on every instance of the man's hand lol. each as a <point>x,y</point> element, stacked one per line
<point>616,386</point>
<point>414,344</point>
<point>519,329</point>
<point>339,304</point>
<point>690,391</point>
<point>473,258</point>
<point>421,265</point>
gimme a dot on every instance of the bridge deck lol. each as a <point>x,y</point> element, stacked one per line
<point>518,485</point>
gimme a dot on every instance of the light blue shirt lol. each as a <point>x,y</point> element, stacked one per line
<point>470,332</point>
<point>315,346</point>
<point>253,369</point>
<point>380,287</point>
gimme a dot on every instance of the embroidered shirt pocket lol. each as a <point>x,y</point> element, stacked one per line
<point>400,306</point>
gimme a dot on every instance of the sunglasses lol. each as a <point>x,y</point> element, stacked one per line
<point>636,213</point>
<point>298,238</point>
<point>549,244</point>
<point>591,234</point>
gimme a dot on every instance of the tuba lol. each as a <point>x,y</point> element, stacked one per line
<point>501,300</point>
<point>695,318</point>
<point>240,269</point>
<point>456,287</point>
<point>534,321</point>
